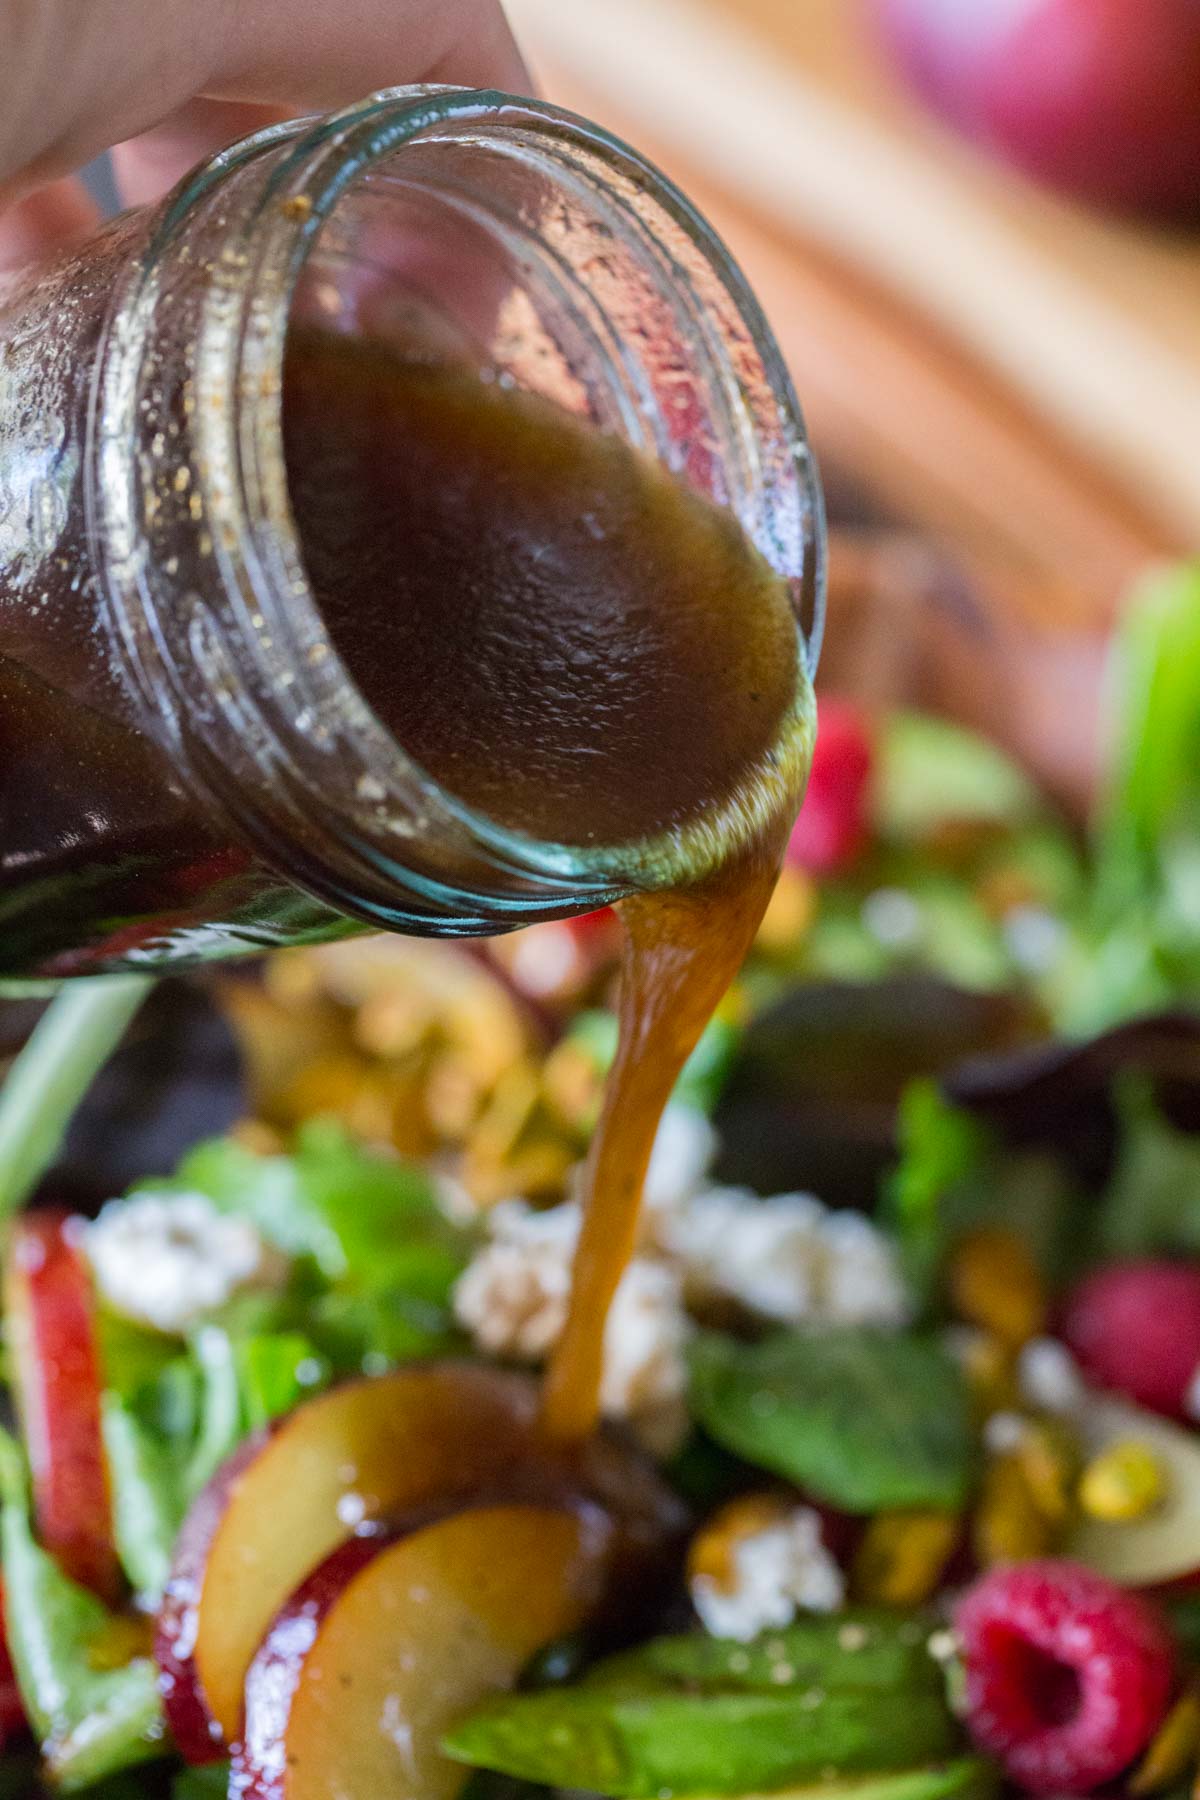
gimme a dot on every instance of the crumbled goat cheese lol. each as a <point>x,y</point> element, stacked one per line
<point>513,1297</point>
<point>863,1284</point>
<point>167,1260</point>
<point>788,1258</point>
<point>763,1253</point>
<point>774,1573</point>
<point>645,1341</point>
<point>1049,1378</point>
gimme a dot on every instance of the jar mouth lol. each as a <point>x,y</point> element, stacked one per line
<point>373,795</point>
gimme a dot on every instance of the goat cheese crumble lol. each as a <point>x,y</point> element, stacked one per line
<point>774,1573</point>
<point>789,1259</point>
<point>512,1297</point>
<point>168,1260</point>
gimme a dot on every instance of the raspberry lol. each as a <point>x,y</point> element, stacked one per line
<point>833,825</point>
<point>1067,1675</point>
<point>1135,1327</point>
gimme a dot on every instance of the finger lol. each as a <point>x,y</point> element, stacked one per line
<point>77,78</point>
<point>342,52</point>
<point>147,166</point>
<point>44,222</point>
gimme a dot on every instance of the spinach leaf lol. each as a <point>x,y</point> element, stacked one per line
<point>858,1648</point>
<point>862,1418</point>
<point>627,1744</point>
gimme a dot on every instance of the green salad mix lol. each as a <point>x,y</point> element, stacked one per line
<point>897,1502</point>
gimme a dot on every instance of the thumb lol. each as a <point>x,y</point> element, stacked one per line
<point>76,78</point>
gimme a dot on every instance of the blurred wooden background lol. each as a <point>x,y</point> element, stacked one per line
<point>1010,382</point>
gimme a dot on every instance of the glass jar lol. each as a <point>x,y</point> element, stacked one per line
<point>188,768</point>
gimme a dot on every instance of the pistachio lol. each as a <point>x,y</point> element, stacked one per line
<point>1122,1483</point>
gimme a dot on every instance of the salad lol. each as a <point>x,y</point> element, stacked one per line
<point>899,1492</point>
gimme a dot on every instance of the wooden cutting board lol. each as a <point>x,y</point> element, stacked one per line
<point>993,362</point>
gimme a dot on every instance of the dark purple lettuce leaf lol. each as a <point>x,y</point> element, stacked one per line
<point>1061,1096</point>
<point>811,1099</point>
<point>810,1102</point>
<point>176,1079</point>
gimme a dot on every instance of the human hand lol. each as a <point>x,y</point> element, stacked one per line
<point>168,82</point>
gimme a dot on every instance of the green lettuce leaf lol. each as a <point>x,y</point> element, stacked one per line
<point>166,1439</point>
<point>91,1721</point>
<point>1152,793</point>
<point>149,1501</point>
<point>942,1149</point>
<point>954,1174</point>
<point>1152,1203</point>
<point>1139,945</point>
<point>930,774</point>
<point>383,1328</point>
<point>365,1219</point>
<point>275,1372</point>
<point>132,1356</point>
